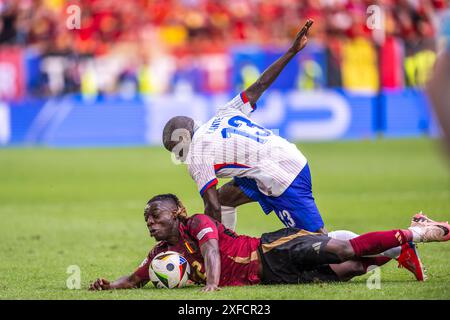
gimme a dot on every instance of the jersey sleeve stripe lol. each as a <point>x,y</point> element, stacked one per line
<point>234,165</point>
<point>244,99</point>
<point>211,183</point>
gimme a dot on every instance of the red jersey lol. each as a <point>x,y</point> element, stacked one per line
<point>238,253</point>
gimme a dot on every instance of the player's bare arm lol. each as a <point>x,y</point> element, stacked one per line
<point>212,205</point>
<point>211,256</point>
<point>271,73</point>
<point>125,282</point>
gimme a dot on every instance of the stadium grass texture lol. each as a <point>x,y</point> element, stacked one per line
<point>84,207</point>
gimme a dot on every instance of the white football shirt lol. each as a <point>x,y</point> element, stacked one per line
<point>231,145</point>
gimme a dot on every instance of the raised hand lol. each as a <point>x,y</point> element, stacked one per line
<point>271,73</point>
<point>301,38</point>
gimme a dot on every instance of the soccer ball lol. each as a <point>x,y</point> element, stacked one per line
<point>169,270</point>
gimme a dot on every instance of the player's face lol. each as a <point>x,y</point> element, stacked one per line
<point>161,221</point>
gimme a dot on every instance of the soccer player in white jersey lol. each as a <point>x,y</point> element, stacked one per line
<point>265,167</point>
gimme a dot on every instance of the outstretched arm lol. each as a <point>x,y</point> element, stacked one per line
<point>125,282</point>
<point>271,73</point>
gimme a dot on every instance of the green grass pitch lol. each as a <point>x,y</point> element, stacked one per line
<point>84,207</point>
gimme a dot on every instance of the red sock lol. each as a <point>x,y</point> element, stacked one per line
<point>376,242</point>
<point>373,261</point>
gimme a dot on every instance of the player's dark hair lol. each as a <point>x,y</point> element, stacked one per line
<point>178,122</point>
<point>181,210</point>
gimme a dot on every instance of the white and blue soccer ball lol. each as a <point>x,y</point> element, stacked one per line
<point>169,270</point>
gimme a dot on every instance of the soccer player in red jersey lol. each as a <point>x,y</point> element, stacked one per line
<point>219,257</point>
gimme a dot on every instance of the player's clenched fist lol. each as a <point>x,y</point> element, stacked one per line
<point>100,284</point>
<point>301,37</point>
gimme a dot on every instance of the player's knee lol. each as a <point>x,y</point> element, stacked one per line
<point>231,195</point>
<point>226,196</point>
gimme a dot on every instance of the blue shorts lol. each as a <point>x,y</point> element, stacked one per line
<point>295,207</point>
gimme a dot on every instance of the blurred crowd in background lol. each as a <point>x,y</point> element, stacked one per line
<point>160,46</point>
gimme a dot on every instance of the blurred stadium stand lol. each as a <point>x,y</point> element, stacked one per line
<point>133,64</point>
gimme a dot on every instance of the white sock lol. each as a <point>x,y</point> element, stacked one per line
<point>343,235</point>
<point>346,235</point>
<point>416,233</point>
<point>229,217</point>
<point>392,253</point>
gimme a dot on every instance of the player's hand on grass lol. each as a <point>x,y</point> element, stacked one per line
<point>210,288</point>
<point>100,284</point>
<point>301,38</point>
